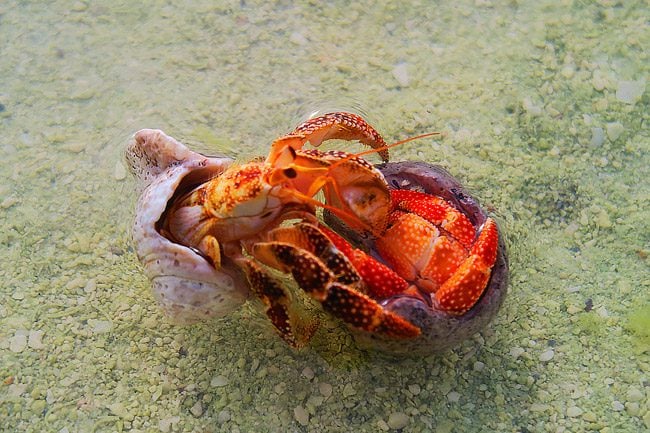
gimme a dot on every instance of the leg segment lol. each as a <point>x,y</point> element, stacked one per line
<point>340,293</point>
<point>290,323</point>
<point>461,292</point>
<point>342,126</point>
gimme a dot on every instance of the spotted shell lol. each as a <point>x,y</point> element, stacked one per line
<point>185,285</point>
<point>439,330</point>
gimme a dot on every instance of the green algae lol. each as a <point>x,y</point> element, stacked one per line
<point>638,323</point>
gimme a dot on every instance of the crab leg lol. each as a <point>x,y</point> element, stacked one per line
<point>381,281</point>
<point>330,126</point>
<point>460,292</point>
<point>437,211</point>
<point>433,245</point>
<point>338,292</point>
<point>289,322</point>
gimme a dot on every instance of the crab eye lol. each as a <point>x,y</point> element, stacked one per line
<point>290,173</point>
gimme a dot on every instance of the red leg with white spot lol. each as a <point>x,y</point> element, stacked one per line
<point>323,272</point>
<point>437,211</point>
<point>461,292</point>
<point>432,244</point>
<point>381,281</point>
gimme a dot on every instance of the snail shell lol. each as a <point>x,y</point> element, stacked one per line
<point>186,286</point>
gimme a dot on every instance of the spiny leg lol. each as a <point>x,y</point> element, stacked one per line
<point>314,240</point>
<point>381,281</point>
<point>343,301</point>
<point>285,315</point>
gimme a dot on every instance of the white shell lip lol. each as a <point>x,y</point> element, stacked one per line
<point>187,287</point>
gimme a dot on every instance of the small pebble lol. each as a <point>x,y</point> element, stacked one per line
<point>35,340</point>
<point>223,416</point>
<point>632,408</point>
<point>629,92</point>
<point>102,326</point>
<point>547,355</point>
<point>76,147</point>
<point>602,311</point>
<point>614,130</point>
<point>348,390</point>
<point>634,394</point>
<point>590,417</point>
<point>298,38</point>
<point>308,373</point>
<point>574,411</point>
<point>18,343</point>
<point>453,397</point>
<point>301,415</point>
<point>539,407</point>
<point>414,389</point>
<point>398,420</point>
<point>197,409</point>
<point>120,171</point>
<point>219,381</point>
<point>120,410</point>
<point>79,6</point>
<point>479,366</point>
<point>568,71</point>
<point>617,406</point>
<point>599,81</point>
<point>531,108</point>
<point>401,74</point>
<point>8,202</point>
<point>597,137</point>
<point>325,389</point>
<point>516,352</point>
<point>165,424</point>
<point>382,425</point>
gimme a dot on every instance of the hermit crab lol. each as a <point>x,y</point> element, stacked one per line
<point>403,255</point>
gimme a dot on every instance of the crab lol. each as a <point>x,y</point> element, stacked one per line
<point>246,219</point>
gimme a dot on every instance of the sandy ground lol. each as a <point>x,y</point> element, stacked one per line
<point>546,113</point>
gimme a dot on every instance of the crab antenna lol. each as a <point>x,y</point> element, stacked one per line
<point>386,147</point>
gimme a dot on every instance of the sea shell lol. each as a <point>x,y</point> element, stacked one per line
<point>186,286</point>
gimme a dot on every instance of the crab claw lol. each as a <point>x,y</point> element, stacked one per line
<point>464,288</point>
<point>339,293</point>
